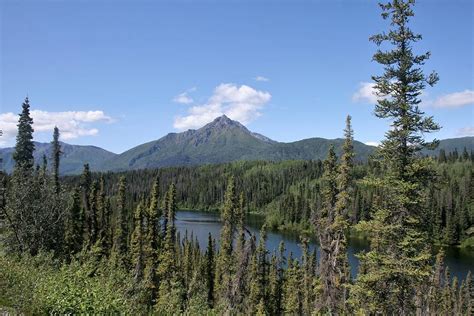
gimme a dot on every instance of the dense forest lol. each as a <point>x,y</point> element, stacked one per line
<point>288,193</point>
<point>107,242</point>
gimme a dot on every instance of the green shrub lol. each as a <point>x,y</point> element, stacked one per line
<point>31,285</point>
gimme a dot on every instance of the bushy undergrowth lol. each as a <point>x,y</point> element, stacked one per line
<point>41,285</point>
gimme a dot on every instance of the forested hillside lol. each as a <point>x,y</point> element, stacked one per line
<point>288,193</point>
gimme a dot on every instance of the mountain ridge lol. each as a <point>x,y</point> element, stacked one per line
<point>72,161</point>
<point>222,140</point>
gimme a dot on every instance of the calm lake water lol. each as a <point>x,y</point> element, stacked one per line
<point>200,224</point>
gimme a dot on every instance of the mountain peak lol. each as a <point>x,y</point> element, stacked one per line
<point>223,121</point>
<point>223,117</point>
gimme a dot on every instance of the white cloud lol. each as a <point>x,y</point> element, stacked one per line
<point>454,100</point>
<point>466,131</point>
<point>365,94</point>
<point>184,98</point>
<point>242,104</point>
<point>71,124</point>
<point>370,143</point>
<point>261,78</point>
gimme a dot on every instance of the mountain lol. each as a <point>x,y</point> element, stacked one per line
<point>222,140</point>
<point>72,161</point>
<point>450,144</point>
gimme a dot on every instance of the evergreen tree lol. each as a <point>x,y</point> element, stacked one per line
<point>397,264</point>
<point>167,267</point>
<point>225,262</point>
<point>103,208</point>
<point>259,275</point>
<point>210,271</point>
<point>465,154</point>
<point>171,289</point>
<point>85,184</point>
<point>239,223</point>
<point>56,154</point>
<point>326,234</point>
<point>274,287</point>
<point>442,156</point>
<point>292,292</point>
<point>447,297</point>
<point>137,245</point>
<point>461,305</point>
<point>197,293</point>
<point>468,295</point>
<point>24,148</point>
<point>119,249</point>
<point>73,236</point>
<point>437,283</point>
<point>43,171</point>
<point>242,276</point>
<point>340,225</point>
<point>34,213</point>
<point>308,269</point>
<point>92,218</point>
<point>152,245</point>
<point>455,296</point>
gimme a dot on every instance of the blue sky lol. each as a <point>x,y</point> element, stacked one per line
<point>119,73</point>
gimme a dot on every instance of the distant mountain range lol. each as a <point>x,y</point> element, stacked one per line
<point>72,160</point>
<point>222,140</point>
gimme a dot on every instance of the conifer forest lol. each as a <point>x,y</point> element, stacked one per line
<point>106,242</point>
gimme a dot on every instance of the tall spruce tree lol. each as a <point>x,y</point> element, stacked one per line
<point>210,271</point>
<point>259,276</point>
<point>56,157</point>
<point>435,292</point>
<point>137,244</point>
<point>326,235</point>
<point>292,303</point>
<point>34,212</point>
<point>274,287</point>
<point>120,246</point>
<point>167,267</point>
<point>85,184</point>
<point>225,260</point>
<point>342,209</point>
<point>468,294</point>
<point>239,224</point>
<point>152,244</point>
<point>171,288</point>
<point>308,274</point>
<point>24,148</point>
<point>92,216</point>
<point>73,236</point>
<point>398,261</point>
<point>103,208</point>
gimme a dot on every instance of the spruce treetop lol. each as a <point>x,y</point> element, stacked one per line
<point>400,87</point>
<point>24,147</point>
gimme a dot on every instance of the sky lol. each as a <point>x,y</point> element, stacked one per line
<point>116,74</point>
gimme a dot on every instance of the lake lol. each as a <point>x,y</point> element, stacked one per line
<point>200,224</point>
